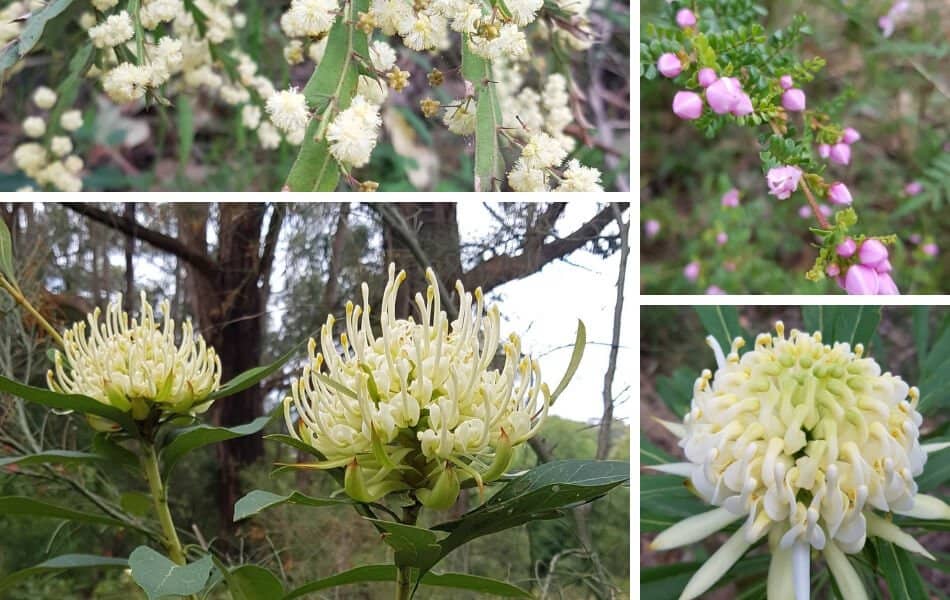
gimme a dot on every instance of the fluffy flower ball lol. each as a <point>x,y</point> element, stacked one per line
<point>288,110</point>
<point>115,30</point>
<point>352,134</point>
<point>44,98</point>
<point>136,365</point>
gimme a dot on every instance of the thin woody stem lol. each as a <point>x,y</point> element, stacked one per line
<point>22,301</point>
<point>814,206</point>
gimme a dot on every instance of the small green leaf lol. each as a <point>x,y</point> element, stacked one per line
<point>51,456</point>
<point>383,573</point>
<point>721,322</point>
<point>6,253</point>
<point>61,563</point>
<point>258,500</point>
<point>903,579</point>
<point>414,546</point>
<point>136,503</point>
<point>23,506</point>
<point>580,343</point>
<point>191,438</point>
<point>251,582</point>
<point>251,377</point>
<point>330,89</point>
<point>159,576</point>
<point>72,402</point>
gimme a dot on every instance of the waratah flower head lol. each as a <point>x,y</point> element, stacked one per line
<point>136,365</point>
<point>417,405</point>
<point>806,442</point>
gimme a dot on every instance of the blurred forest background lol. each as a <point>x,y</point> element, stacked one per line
<point>895,91</point>
<point>912,342</point>
<point>217,263</point>
<point>198,144</point>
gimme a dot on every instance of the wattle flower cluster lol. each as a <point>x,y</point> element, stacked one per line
<point>136,367</point>
<point>868,271</point>
<point>49,160</point>
<point>419,407</point>
<point>807,443</point>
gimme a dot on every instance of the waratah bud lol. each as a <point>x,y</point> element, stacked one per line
<point>706,77</point>
<point>685,18</point>
<point>838,193</point>
<point>861,280</point>
<point>872,252</point>
<point>846,248</point>
<point>687,105</point>
<point>840,153</point>
<point>669,65</point>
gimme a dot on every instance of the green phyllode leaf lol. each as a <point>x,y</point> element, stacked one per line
<point>159,576</point>
<point>70,402</point>
<point>903,579</point>
<point>192,438</point>
<point>21,505</point>
<point>251,377</point>
<point>251,582</point>
<point>489,162</point>
<point>61,563</point>
<point>256,501</point>
<point>52,456</point>
<point>382,573</point>
<point>331,89</point>
<point>851,324</point>
<point>541,493</point>
<point>721,322</point>
<point>30,36</point>
<point>6,253</point>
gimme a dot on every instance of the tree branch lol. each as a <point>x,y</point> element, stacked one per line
<point>504,268</point>
<point>197,259</point>
<point>603,433</point>
<point>270,240</point>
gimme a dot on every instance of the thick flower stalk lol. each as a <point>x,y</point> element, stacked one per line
<point>418,407</point>
<point>136,365</point>
<point>810,445</point>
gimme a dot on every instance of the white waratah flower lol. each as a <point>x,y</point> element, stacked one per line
<point>288,110</point>
<point>805,441</point>
<point>352,134</point>
<point>44,97</point>
<point>133,366</point>
<point>115,30</point>
<point>418,407</point>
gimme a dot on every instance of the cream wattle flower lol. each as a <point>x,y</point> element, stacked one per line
<point>418,406</point>
<point>805,442</point>
<point>135,366</point>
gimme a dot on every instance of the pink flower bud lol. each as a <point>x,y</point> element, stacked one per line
<point>850,135</point>
<point>715,290</point>
<point>785,81</point>
<point>731,198</point>
<point>669,65</point>
<point>743,106</point>
<point>838,193</point>
<point>872,252</point>
<point>886,23</point>
<point>884,266</point>
<point>729,266</point>
<point>861,280</point>
<point>915,238</point>
<point>723,95</point>
<point>687,105</point>
<point>651,228</point>
<point>825,210</point>
<point>930,249</point>
<point>832,270</point>
<point>691,271</point>
<point>804,211</point>
<point>886,285</point>
<point>847,248</point>
<point>840,153</point>
<point>706,77</point>
<point>685,18</point>
<point>722,237</point>
<point>824,150</point>
<point>783,180</point>
<point>913,188</point>
<point>793,100</point>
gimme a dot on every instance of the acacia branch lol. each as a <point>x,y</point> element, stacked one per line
<point>603,434</point>
<point>199,260</point>
<point>504,268</point>
<point>270,240</point>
